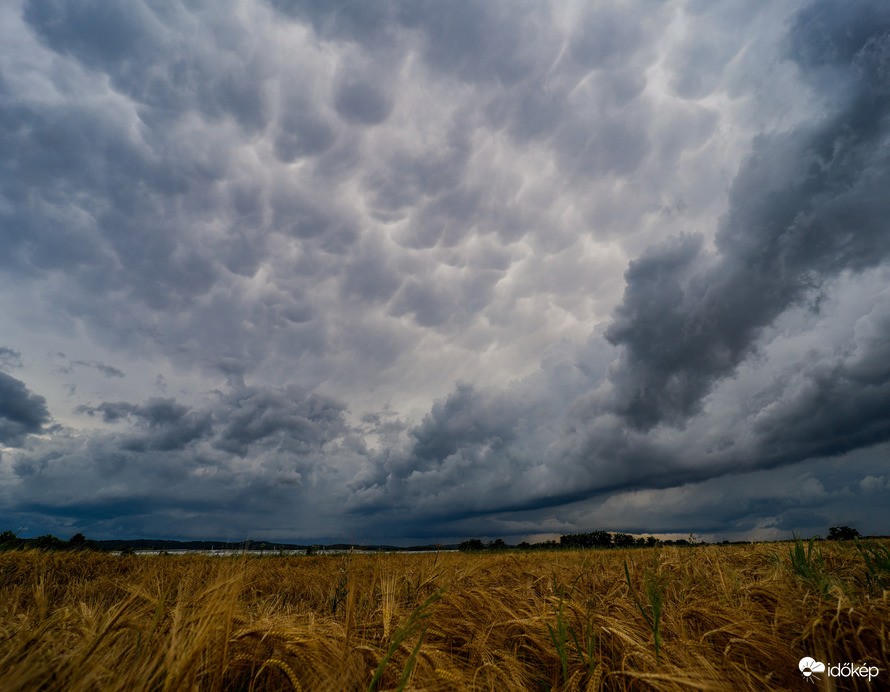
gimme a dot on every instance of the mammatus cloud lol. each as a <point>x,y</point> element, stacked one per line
<point>430,270</point>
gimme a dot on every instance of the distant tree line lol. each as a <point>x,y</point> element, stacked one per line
<point>10,541</point>
<point>572,541</point>
<point>604,539</point>
<point>842,533</point>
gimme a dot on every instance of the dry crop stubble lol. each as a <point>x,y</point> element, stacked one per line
<point>730,617</point>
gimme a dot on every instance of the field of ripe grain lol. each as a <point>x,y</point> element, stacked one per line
<point>707,617</point>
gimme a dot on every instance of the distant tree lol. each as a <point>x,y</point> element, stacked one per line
<point>842,533</point>
<point>497,544</point>
<point>651,541</point>
<point>524,545</point>
<point>594,539</point>
<point>8,540</point>
<point>575,540</point>
<point>601,539</point>
<point>80,542</point>
<point>49,542</point>
<point>623,540</point>
<point>470,546</point>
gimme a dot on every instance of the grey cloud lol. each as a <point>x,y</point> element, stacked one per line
<point>297,214</point>
<point>361,102</point>
<point>369,24</point>
<point>165,424</point>
<point>827,33</point>
<point>650,319</point>
<point>449,301</point>
<point>21,411</point>
<point>463,418</point>
<point>159,412</point>
<point>410,177</point>
<point>702,62</point>
<point>805,206</point>
<point>102,33</point>
<point>477,41</point>
<point>480,451</point>
<point>377,199</point>
<point>302,132</point>
<point>175,460</point>
<point>840,406</point>
<point>371,274</point>
<point>610,52</point>
<point>122,39</point>
<point>609,34</point>
<point>473,41</point>
<point>10,358</point>
<point>447,219</point>
<point>778,502</point>
<point>107,370</point>
<point>290,418</point>
<point>101,247</point>
<point>699,66</point>
<point>112,411</point>
<point>617,146</point>
<point>171,426</point>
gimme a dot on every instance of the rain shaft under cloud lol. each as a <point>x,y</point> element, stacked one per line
<point>420,270</point>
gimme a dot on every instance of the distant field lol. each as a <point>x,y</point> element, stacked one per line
<point>706,617</point>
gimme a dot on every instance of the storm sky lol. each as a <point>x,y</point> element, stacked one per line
<point>417,271</point>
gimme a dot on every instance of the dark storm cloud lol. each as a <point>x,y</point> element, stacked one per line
<point>480,451</point>
<point>170,426</point>
<point>174,461</point>
<point>112,411</point>
<point>165,424</point>
<point>465,418</point>
<point>806,209</point>
<point>290,419</point>
<point>806,206</point>
<point>841,405</point>
<point>308,214</point>
<point>21,411</point>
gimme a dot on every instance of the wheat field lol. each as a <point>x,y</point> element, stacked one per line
<point>667,618</point>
